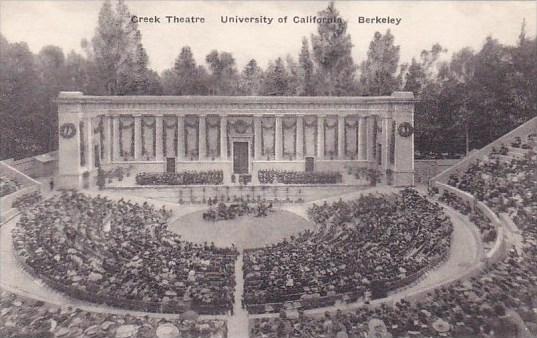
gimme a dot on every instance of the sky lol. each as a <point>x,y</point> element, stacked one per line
<point>453,24</point>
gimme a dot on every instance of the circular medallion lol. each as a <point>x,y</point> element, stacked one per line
<point>67,130</point>
<point>405,129</point>
<point>240,126</point>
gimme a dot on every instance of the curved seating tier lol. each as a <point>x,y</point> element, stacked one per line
<point>121,254</point>
<point>500,301</point>
<point>374,243</point>
<point>23,317</point>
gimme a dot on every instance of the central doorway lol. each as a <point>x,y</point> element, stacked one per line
<point>240,157</point>
<point>170,165</point>
<point>310,164</point>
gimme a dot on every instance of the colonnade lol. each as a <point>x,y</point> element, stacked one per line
<point>111,126</point>
<point>175,133</point>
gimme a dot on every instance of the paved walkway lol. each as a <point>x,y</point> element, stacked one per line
<point>464,253</point>
<point>238,323</point>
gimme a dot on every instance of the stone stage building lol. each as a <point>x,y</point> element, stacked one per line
<point>239,135</point>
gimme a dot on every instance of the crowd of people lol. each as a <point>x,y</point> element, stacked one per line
<point>8,186</point>
<point>486,228</point>
<point>22,317</point>
<point>270,176</point>
<point>221,211</point>
<point>121,253</point>
<point>376,238</point>
<point>504,184</point>
<point>27,200</point>
<point>209,177</point>
<point>499,302</point>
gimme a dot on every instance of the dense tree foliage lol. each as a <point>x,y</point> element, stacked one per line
<point>251,79</point>
<point>224,76</point>
<point>332,48</point>
<point>475,97</point>
<point>464,102</point>
<point>276,79</point>
<point>305,71</point>
<point>379,70</point>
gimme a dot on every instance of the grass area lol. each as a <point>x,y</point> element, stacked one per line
<point>244,231</point>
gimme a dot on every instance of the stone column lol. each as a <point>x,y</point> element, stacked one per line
<point>159,153</point>
<point>299,137</point>
<point>257,137</point>
<point>180,137</point>
<point>320,136</point>
<point>387,130</point>
<point>115,135</point>
<point>362,138</point>
<point>107,139</point>
<point>341,137</point>
<point>370,141</point>
<point>404,146</point>
<point>223,138</point>
<point>138,137</point>
<point>90,164</point>
<point>202,141</point>
<point>278,138</point>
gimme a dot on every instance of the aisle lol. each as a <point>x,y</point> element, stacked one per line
<point>238,323</point>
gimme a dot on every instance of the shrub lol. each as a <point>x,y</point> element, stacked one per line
<point>183,178</point>
<point>269,176</point>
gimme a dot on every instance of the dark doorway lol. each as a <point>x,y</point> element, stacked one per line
<point>240,157</point>
<point>170,165</point>
<point>379,154</point>
<point>86,180</point>
<point>310,164</point>
<point>97,156</point>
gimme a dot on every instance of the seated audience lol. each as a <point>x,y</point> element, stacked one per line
<point>122,253</point>
<point>386,239</point>
<point>500,302</point>
<point>22,317</point>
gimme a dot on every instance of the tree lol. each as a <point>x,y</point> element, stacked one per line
<point>378,71</point>
<point>332,48</point>
<point>19,86</point>
<point>168,80</point>
<point>224,76</point>
<point>293,79</point>
<point>186,78</point>
<point>106,49</point>
<point>119,56</point>
<point>52,73</point>
<point>493,106</point>
<point>305,71</point>
<point>414,78</point>
<point>251,79</point>
<point>276,80</point>
<point>523,79</point>
<point>77,76</point>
